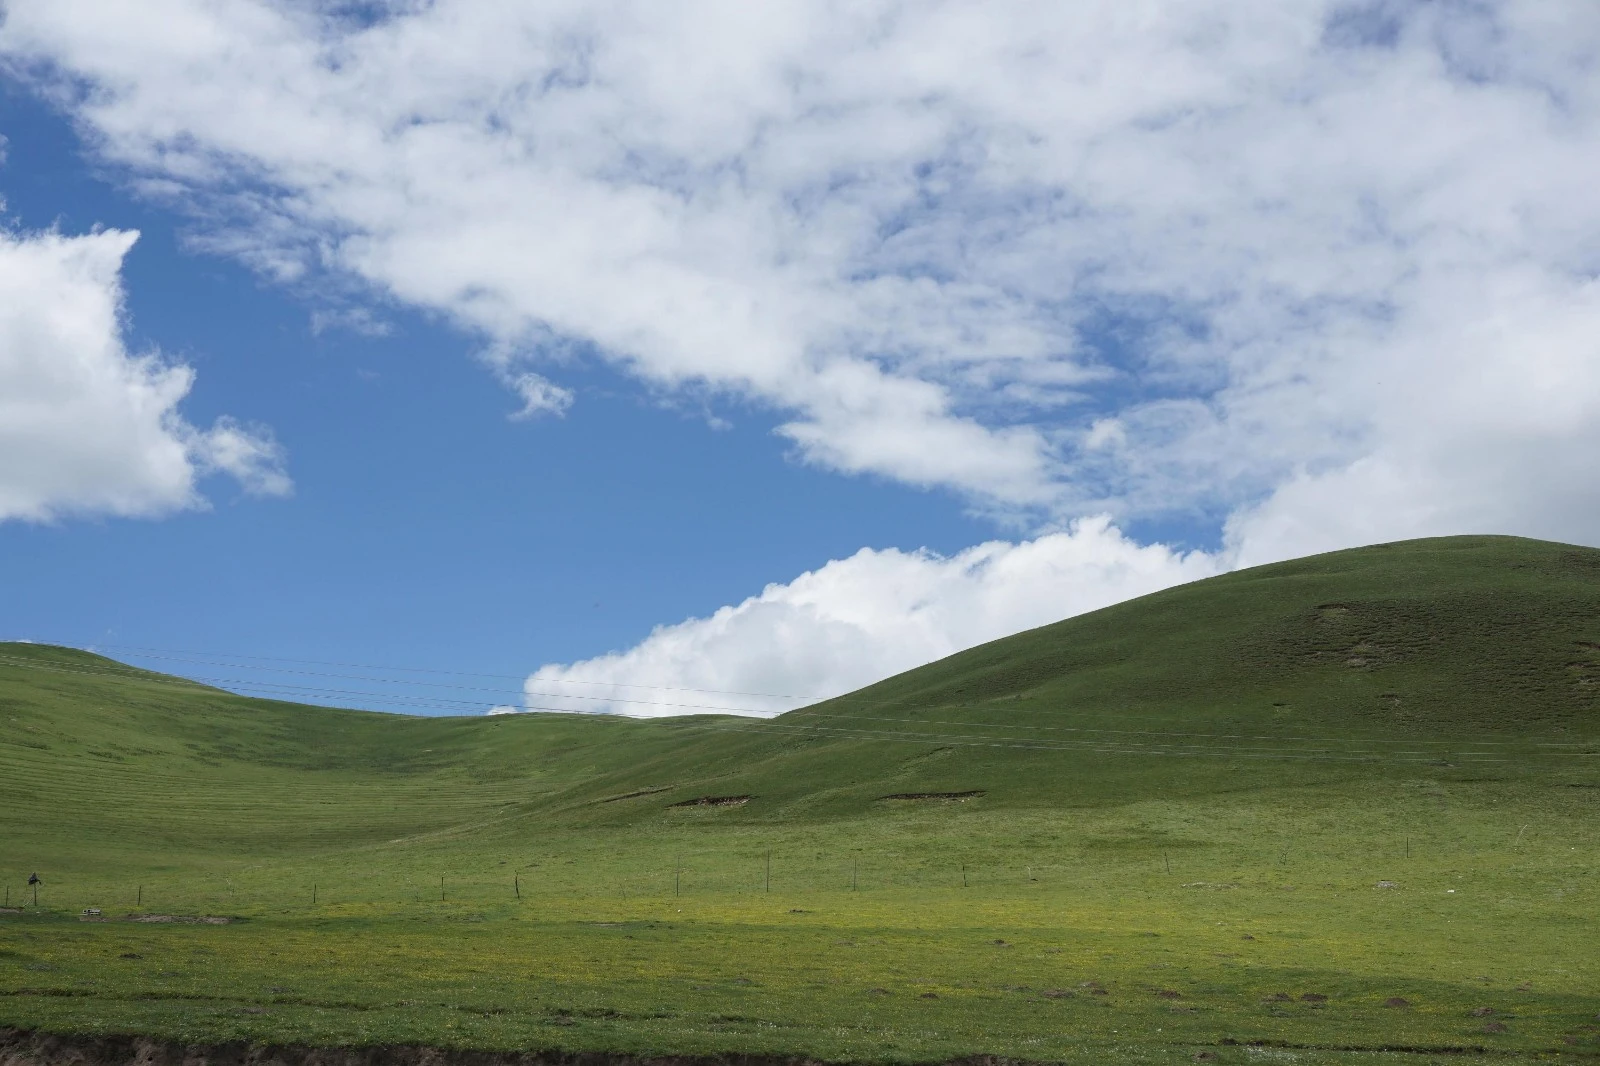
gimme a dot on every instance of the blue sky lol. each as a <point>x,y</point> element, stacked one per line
<point>426,527</point>
<point>627,350</point>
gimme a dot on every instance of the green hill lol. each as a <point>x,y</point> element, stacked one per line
<point>1192,793</point>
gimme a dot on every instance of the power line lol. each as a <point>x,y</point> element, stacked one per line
<point>795,727</point>
<point>514,693</point>
<point>283,687</point>
<point>208,659</point>
<point>1143,732</point>
<point>440,702</point>
<point>523,694</point>
<point>772,727</point>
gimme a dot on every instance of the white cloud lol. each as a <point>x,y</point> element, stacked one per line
<point>856,620</point>
<point>247,453</point>
<point>1313,272</point>
<point>1465,438</point>
<point>540,396</point>
<point>85,427</point>
<point>1126,256</point>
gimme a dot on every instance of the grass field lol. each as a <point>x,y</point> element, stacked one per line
<point>1178,813</point>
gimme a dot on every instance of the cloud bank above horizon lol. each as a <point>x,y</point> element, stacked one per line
<point>857,620</point>
<point>1313,273</point>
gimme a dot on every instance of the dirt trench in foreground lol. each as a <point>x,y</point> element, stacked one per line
<point>26,1048</point>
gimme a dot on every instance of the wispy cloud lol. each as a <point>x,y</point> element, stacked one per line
<point>1310,271</point>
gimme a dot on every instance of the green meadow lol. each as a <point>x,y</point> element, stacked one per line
<point>1340,809</point>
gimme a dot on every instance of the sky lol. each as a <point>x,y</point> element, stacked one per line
<point>464,355</point>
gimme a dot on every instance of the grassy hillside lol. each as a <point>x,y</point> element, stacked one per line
<point>1123,835</point>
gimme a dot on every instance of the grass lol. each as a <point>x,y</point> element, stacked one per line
<point>1186,805</point>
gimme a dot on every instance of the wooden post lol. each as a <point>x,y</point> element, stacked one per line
<point>769,871</point>
<point>677,870</point>
<point>313,893</point>
<point>516,884</point>
<point>963,875</point>
<point>138,900</point>
<point>1408,847</point>
<point>441,888</point>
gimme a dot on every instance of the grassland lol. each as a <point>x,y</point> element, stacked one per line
<point>1180,811</point>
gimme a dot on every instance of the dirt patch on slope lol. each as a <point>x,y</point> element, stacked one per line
<point>715,801</point>
<point>955,797</point>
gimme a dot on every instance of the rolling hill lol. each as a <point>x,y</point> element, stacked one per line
<point>1259,749</point>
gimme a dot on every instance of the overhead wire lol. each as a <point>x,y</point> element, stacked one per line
<point>793,727</point>
<point>442,702</point>
<point>301,692</point>
<point>206,658</point>
<point>524,693</point>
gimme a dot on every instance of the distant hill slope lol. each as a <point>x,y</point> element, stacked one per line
<point>1484,634</point>
<point>1455,653</point>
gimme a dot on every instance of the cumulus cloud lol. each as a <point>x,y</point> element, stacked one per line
<point>1307,273</point>
<point>859,619</point>
<point>85,427</point>
<point>1126,257</point>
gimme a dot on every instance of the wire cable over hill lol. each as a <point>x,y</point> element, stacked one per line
<point>526,699</point>
<point>1085,739</point>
